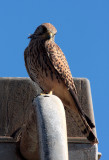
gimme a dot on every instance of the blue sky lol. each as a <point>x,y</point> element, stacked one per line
<point>83,35</point>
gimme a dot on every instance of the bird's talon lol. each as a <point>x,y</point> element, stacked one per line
<point>51,92</point>
<point>41,94</point>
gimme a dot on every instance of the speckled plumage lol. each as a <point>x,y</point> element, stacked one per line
<point>47,66</point>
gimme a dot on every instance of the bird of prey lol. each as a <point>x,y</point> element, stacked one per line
<point>47,66</point>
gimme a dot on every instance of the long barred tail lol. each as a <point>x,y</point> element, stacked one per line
<point>82,120</point>
<point>84,127</point>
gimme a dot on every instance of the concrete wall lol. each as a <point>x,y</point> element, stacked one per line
<point>16,110</point>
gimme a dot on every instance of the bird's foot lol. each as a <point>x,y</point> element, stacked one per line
<point>42,94</point>
<point>51,93</point>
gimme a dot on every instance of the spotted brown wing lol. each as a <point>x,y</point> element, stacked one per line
<point>60,64</point>
<point>26,54</point>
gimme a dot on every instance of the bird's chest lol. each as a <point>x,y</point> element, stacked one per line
<point>42,70</point>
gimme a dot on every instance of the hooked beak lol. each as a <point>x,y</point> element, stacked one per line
<point>50,35</point>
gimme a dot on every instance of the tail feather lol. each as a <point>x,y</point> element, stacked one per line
<point>89,121</point>
<point>83,121</point>
<point>91,137</point>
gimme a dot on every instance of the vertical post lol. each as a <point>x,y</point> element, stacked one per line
<point>51,128</point>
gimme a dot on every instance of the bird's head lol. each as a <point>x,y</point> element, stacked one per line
<point>45,31</point>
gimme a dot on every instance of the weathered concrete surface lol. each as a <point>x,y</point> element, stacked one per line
<point>82,151</point>
<point>29,139</point>
<point>51,124</point>
<point>8,149</point>
<point>16,95</point>
<point>16,110</point>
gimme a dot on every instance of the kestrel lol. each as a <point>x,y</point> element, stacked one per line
<point>47,66</point>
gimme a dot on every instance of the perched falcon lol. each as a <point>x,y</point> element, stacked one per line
<point>47,66</point>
